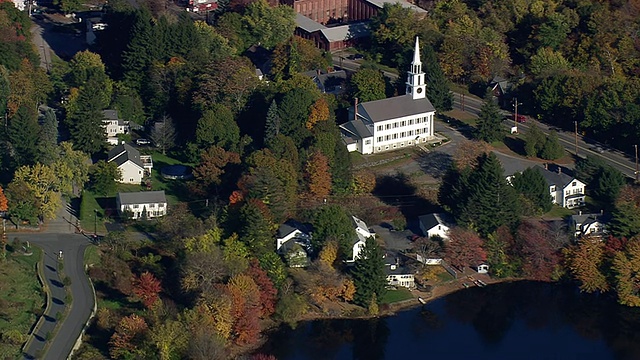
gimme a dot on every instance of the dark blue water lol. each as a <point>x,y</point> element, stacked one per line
<point>522,320</point>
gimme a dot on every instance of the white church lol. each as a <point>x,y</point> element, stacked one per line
<point>392,123</point>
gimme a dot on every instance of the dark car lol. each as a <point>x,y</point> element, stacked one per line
<point>520,119</point>
<point>358,56</point>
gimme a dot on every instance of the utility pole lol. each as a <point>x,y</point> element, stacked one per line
<point>636,146</point>
<point>576,136</point>
<point>95,222</point>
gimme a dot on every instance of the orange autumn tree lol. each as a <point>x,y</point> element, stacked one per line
<point>4,206</point>
<point>268,292</point>
<point>4,203</point>
<point>245,296</point>
<point>129,335</point>
<point>318,176</point>
<point>147,288</point>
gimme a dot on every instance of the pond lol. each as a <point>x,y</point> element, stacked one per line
<point>520,320</point>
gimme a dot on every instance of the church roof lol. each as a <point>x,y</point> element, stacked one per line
<point>393,108</point>
<point>357,127</point>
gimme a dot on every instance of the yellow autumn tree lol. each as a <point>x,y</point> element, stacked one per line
<point>329,252</point>
<point>318,176</point>
<point>319,111</point>
<point>42,180</point>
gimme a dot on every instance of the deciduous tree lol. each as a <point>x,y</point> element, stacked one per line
<point>147,288</point>
<point>367,85</point>
<point>585,262</point>
<point>128,338</point>
<point>319,111</point>
<point>552,148</point>
<point>268,293</point>
<point>4,203</point>
<point>103,176</point>
<point>213,164</point>
<point>318,176</point>
<point>625,267</point>
<point>464,248</point>
<point>163,134</point>
<point>72,168</point>
<point>217,126</point>
<point>268,26</point>
<point>539,256</point>
<point>42,181</point>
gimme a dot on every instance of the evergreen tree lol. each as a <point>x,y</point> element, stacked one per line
<point>489,124</point>
<point>532,185</point>
<point>103,176</point>
<point>256,227</point>
<point>534,141</point>
<point>608,184</point>
<point>48,144</point>
<point>492,201</point>
<point>272,125</point>
<point>437,84</point>
<point>588,169</point>
<point>85,122</point>
<point>143,48</point>
<point>368,274</point>
<point>4,90</point>
<point>331,222</point>
<point>294,112</point>
<point>454,190</point>
<point>23,136</point>
<point>341,168</point>
<point>552,148</point>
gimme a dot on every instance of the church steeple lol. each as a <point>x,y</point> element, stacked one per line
<point>416,87</point>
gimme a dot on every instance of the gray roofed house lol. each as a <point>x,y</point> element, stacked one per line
<point>594,225</point>
<point>397,273</point>
<point>293,241</point>
<point>346,32</point>
<point>142,203</point>
<point>328,82</point>
<point>436,224</point>
<point>565,190</point>
<point>113,125</point>
<point>132,165</point>
<point>358,128</point>
<point>557,178</point>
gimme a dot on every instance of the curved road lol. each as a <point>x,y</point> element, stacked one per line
<point>59,236</point>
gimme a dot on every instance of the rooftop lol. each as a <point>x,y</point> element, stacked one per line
<point>307,24</point>
<point>122,153</point>
<point>553,177</point>
<point>405,4</point>
<point>394,108</point>
<point>142,197</point>
<point>431,220</point>
<point>345,32</point>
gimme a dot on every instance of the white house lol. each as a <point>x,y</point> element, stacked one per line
<point>358,243</point>
<point>293,241</point>
<point>132,165</point>
<point>589,224</point>
<point>113,126</point>
<point>481,268</point>
<point>435,225</point>
<point>398,275</point>
<point>565,190</point>
<point>392,123</point>
<point>142,203</point>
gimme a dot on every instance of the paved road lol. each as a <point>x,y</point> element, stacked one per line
<point>58,235</point>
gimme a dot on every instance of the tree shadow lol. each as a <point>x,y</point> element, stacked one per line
<point>516,145</point>
<point>397,190</point>
<point>56,283</point>
<point>463,128</point>
<point>57,301</point>
<point>49,318</point>
<point>435,163</point>
<point>115,295</point>
<point>51,268</point>
<point>73,207</point>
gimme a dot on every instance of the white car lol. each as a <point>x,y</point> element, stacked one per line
<point>143,142</point>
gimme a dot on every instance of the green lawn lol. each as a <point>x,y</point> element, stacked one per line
<point>92,255</point>
<point>558,212</point>
<point>174,189</point>
<point>88,219</point>
<point>392,296</point>
<point>21,299</point>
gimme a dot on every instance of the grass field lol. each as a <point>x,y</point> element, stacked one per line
<point>558,212</point>
<point>92,255</point>
<point>396,295</point>
<point>21,300</point>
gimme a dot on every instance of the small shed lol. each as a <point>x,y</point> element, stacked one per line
<point>481,268</point>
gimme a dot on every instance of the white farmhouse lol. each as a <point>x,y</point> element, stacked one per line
<point>132,165</point>
<point>565,190</point>
<point>398,275</point>
<point>143,203</point>
<point>113,126</point>
<point>293,241</point>
<point>392,123</point>
<point>594,225</point>
<point>435,225</point>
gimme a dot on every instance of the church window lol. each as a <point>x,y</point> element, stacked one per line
<point>395,136</point>
<point>386,147</point>
<point>387,127</point>
<point>419,80</point>
<point>417,131</point>
<point>395,125</point>
<point>426,130</point>
<point>379,138</point>
<point>379,127</point>
<point>379,148</point>
<point>394,146</point>
<point>410,121</point>
<point>367,142</point>
<point>386,138</point>
<point>402,144</point>
<point>411,133</point>
<point>410,142</point>
<point>403,134</point>
<point>404,123</point>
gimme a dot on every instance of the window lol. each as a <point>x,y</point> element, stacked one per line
<point>394,146</point>
<point>395,136</point>
<point>386,138</point>
<point>410,121</point>
<point>386,147</point>
<point>426,131</point>
<point>135,206</point>
<point>417,131</point>
<point>379,127</point>
<point>568,192</point>
<point>379,148</point>
<point>410,132</point>
<point>403,134</point>
<point>387,127</point>
<point>379,138</point>
<point>553,188</point>
<point>395,125</point>
<point>161,205</point>
<point>404,123</point>
<point>367,142</point>
<point>573,184</point>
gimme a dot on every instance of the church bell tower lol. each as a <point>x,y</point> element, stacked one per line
<point>416,82</point>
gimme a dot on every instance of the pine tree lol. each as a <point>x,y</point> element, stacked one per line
<point>492,201</point>
<point>489,124</point>
<point>272,126</point>
<point>85,123</point>
<point>48,144</point>
<point>143,48</point>
<point>437,84</point>
<point>532,185</point>
<point>368,274</point>
<point>552,148</point>
<point>23,136</point>
<point>534,141</point>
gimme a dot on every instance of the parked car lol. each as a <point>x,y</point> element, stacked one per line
<point>521,118</point>
<point>143,142</point>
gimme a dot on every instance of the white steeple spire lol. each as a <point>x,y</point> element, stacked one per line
<point>416,87</point>
<point>416,54</point>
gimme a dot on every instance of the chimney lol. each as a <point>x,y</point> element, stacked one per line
<point>559,169</point>
<point>393,266</point>
<point>355,110</point>
<point>546,166</point>
<point>580,212</point>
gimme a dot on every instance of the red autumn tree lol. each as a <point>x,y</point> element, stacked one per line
<point>318,176</point>
<point>213,163</point>
<point>147,288</point>
<point>268,292</point>
<point>247,326</point>
<point>4,203</point>
<point>614,245</point>
<point>539,256</point>
<point>464,248</point>
<point>127,337</point>
<point>245,308</point>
